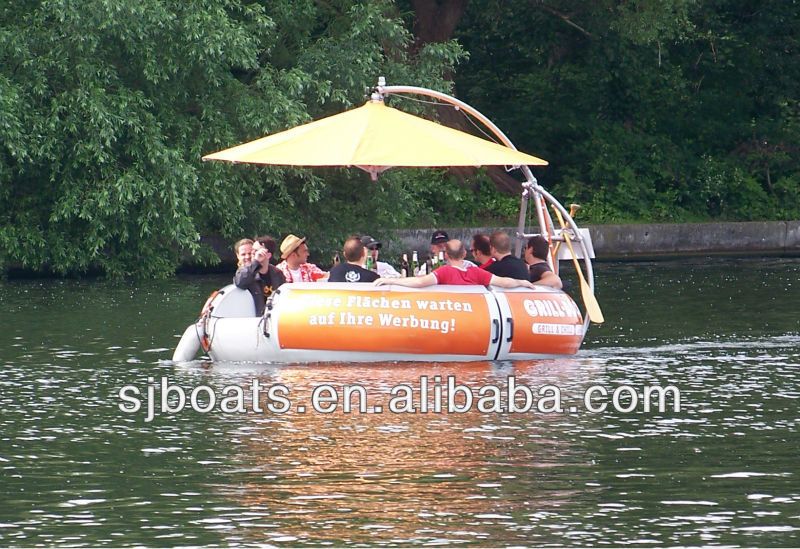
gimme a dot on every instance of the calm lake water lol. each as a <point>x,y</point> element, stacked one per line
<point>76,470</point>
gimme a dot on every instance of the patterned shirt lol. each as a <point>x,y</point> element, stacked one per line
<point>308,272</point>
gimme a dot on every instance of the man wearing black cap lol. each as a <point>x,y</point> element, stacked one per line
<point>438,243</point>
<point>374,248</point>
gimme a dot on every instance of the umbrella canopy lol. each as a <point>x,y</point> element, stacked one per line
<point>375,137</point>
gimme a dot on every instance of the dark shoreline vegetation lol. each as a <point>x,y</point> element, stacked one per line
<point>647,112</point>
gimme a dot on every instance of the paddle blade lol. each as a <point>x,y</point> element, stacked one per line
<point>590,301</point>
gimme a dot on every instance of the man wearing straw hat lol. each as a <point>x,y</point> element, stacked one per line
<point>295,266</point>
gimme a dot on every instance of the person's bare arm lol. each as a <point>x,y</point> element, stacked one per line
<point>551,279</point>
<point>410,282</point>
<point>505,282</point>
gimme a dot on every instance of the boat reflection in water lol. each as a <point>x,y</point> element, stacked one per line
<point>302,473</point>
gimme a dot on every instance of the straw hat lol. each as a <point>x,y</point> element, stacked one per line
<point>290,244</point>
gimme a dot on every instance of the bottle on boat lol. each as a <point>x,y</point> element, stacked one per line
<point>404,266</point>
<point>414,264</point>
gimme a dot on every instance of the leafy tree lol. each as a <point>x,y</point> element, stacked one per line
<point>106,107</point>
<point>640,105</point>
<point>646,109</point>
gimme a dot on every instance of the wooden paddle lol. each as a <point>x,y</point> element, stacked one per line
<point>589,300</point>
<point>573,209</point>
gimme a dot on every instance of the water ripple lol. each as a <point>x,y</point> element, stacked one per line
<point>721,471</point>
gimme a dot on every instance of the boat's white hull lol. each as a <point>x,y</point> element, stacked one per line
<point>317,322</point>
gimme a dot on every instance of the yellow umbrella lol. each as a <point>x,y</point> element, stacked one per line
<point>375,137</point>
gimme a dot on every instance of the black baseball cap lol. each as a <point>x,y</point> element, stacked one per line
<point>439,237</point>
<point>370,243</point>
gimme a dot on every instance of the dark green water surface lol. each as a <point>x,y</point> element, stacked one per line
<point>76,470</point>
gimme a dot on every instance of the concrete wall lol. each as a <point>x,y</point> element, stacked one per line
<point>757,237</point>
<point>654,240</point>
<point>614,241</point>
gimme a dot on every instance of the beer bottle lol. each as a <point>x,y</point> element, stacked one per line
<point>336,259</point>
<point>441,258</point>
<point>370,262</point>
<point>428,266</point>
<point>404,266</point>
<point>414,263</point>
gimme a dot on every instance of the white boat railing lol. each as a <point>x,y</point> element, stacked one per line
<point>530,187</point>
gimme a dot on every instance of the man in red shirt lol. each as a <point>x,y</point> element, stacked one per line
<point>456,272</point>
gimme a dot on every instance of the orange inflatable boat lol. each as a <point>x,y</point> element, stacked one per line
<point>362,323</point>
<point>312,322</point>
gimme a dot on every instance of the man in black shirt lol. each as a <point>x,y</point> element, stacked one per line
<point>536,257</point>
<point>255,272</point>
<point>355,255</point>
<point>506,264</point>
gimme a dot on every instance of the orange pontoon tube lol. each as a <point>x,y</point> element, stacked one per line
<point>312,322</point>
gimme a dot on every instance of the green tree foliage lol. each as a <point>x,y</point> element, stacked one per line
<point>646,109</point>
<point>106,107</point>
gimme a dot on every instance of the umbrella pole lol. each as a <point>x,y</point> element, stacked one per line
<point>523,214</point>
<point>527,191</point>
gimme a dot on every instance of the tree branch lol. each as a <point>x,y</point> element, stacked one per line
<point>566,19</point>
